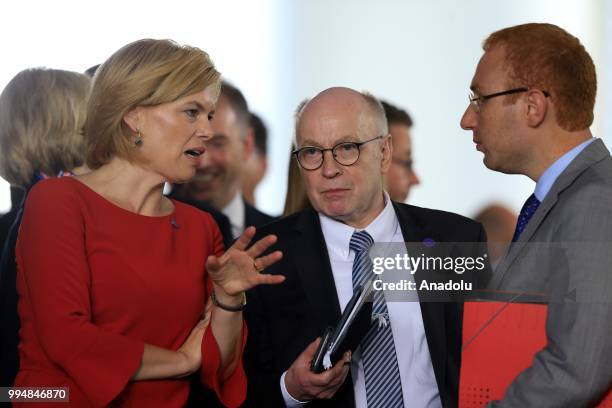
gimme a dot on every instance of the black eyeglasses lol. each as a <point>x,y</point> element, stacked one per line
<point>345,153</point>
<point>476,101</point>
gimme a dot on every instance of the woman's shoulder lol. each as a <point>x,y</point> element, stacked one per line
<point>54,200</point>
<point>61,188</point>
<point>192,213</point>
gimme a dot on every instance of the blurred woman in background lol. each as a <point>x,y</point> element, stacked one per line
<point>42,112</point>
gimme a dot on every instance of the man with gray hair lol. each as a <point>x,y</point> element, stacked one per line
<point>412,357</point>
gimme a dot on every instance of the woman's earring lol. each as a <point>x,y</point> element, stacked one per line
<point>138,141</point>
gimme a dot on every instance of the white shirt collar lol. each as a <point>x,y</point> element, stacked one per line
<point>338,235</point>
<point>235,212</point>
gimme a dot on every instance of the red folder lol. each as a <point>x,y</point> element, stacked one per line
<point>500,340</point>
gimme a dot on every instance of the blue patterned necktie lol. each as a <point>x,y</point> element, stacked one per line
<point>529,208</point>
<point>382,377</point>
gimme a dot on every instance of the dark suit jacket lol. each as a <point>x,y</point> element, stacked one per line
<point>9,319</point>
<point>220,218</point>
<point>283,319</point>
<point>6,220</point>
<point>254,217</point>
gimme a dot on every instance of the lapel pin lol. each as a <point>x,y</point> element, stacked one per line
<point>429,242</point>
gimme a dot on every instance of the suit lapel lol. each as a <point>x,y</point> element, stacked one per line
<point>314,269</point>
<point>592,154</point>
<point>432,312</point>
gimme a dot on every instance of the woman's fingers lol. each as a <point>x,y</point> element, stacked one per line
<point>244,240</point>
<point>214,263</point>
<point>267,279</point>
<point>265,261</point>
<point>261,245</point>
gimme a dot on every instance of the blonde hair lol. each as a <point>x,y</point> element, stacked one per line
<point>144,73</point>
<point>42,112</point>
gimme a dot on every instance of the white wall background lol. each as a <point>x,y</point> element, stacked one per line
<point>419,55</point>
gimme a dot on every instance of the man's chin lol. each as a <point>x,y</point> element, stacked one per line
<point>497,166</point>
<point>489,163</point>
<point>399,197</point>
<point>204,186</point>
<point>335,211</point>
<point>203,198</point>
<point>197,194</point>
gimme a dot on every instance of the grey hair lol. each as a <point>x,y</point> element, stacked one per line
<point>297,117</point>
<point>42,112</point>
<point>379,118</point>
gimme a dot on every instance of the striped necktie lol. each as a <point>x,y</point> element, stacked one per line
<point>382,377</point>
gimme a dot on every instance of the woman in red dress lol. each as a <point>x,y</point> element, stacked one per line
<point>113,277</point>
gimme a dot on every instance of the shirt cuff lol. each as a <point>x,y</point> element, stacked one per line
<point>290,402</point>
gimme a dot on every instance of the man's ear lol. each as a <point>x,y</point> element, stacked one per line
<point>133,119</point>
<point>537,107</point>
<point>248,144</point>
<point>387,153</point>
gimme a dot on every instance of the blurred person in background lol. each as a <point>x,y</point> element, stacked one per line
<point>113,277</point>
<point>42,112</point>
<point>401,176</point>
<point>498,222</point>
<point>255,167</point>
<point>296,198</point>
<point>6,220</point>
<point>217,182</point>
<point>91,71</point>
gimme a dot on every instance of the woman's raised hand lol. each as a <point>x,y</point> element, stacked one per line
<point>239,269</point>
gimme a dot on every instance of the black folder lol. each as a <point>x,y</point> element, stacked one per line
<point>348,332</point>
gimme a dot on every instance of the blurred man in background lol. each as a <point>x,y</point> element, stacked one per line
<point>401,176</point>
<point>255,167</point>
<point>218,180</point>
<point>498,221</point>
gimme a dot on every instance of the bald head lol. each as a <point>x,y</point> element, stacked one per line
<point>354,123</point>
<point>337,104</point>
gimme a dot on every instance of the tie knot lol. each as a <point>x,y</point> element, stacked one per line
<point>528,210</point>
<point>530,206</point>
<point>532,200</point>
<point>361,241</point>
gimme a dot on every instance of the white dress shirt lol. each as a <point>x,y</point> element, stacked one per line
<point>235,212</point>
<point>419,387</point>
